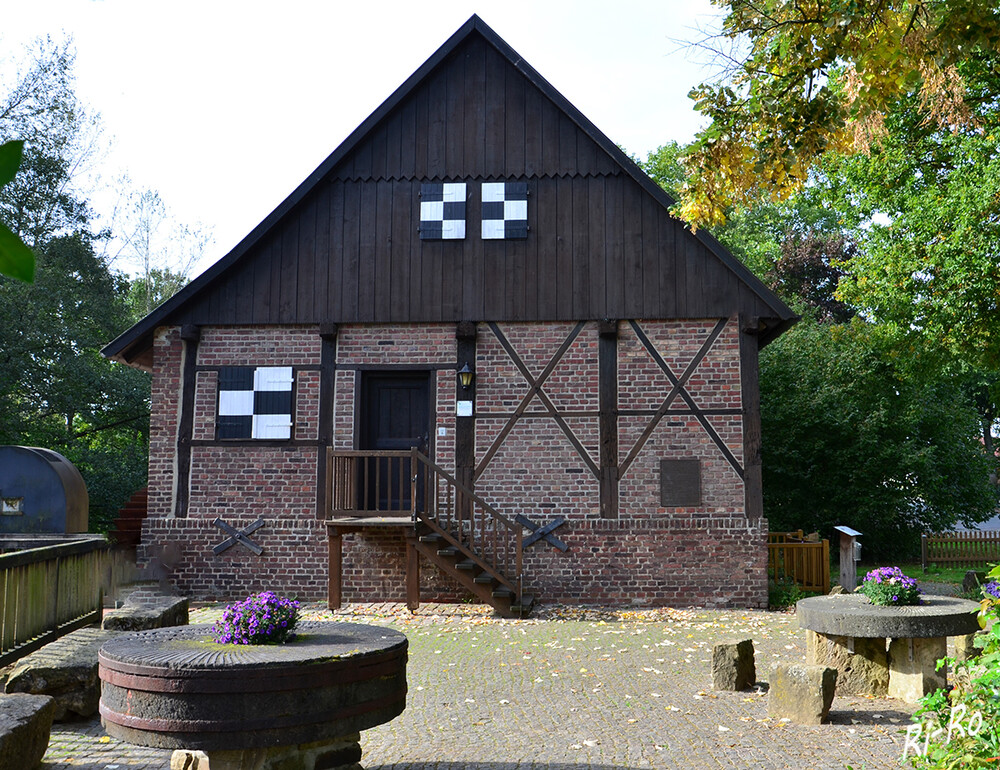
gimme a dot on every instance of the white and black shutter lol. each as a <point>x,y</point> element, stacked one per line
<point>255,402</point>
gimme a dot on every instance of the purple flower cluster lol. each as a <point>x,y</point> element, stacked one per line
<point>263,618</point>
<point>992,589</point>
<point>889,586</point>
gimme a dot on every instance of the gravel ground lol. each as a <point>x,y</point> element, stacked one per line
<point>572,689</point>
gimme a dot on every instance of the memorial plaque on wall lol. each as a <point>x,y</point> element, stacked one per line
<point>680,483</point>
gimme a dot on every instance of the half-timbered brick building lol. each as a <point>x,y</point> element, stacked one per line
<point>471,354</point>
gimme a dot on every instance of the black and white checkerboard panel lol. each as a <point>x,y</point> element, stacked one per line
<point>505,210</point>
<point>442,211</point>
<point>255,402</point>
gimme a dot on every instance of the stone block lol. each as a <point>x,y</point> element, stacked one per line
<point>863,671</point>
<point>148,607</point>
<point>913,667</point>
<point>965,648</point>
<point>972,581</point>
<point>801,693</point>
<point>733,665</point>
<point>66,669</point>
<point>25,723</point>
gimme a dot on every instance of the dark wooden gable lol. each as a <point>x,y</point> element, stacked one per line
<point>345,246</point>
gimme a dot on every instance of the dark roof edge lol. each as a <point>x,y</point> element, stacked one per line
<point>118,348</point>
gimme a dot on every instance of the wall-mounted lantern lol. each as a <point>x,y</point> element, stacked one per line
<point>465,376</point>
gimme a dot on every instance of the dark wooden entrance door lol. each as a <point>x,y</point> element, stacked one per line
<point>395,416</point>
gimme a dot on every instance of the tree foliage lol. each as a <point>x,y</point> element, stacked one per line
<point>56,390</point>
<point>850,438</point>
<point>860,427</point>
<point>808,78</point>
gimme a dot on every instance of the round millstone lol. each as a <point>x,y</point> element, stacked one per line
<point>176,688</point>
<point>853,615</point>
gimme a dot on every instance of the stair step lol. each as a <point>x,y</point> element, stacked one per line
<point>484,577</point>
<point>467,565</point>
<point>503,593</point>
<point>523,606</point>
<point>433,537</point>
<point>448,551</point>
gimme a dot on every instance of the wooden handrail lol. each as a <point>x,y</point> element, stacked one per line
<point>397,483</point>
<point>50,591</point>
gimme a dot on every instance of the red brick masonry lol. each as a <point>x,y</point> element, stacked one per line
<point>651,555</point>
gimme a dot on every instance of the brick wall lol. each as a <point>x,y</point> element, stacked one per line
<point>701,554</point>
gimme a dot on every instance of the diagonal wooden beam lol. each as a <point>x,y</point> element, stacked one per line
<point>695,409</point>
<point>677,383</point>
<point>533,389</point>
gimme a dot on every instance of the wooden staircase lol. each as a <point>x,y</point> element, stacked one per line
<point>474,575</point>
<point>128,524</point>
<point>457,531</point>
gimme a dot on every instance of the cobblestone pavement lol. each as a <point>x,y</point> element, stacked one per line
<point>572,689</point>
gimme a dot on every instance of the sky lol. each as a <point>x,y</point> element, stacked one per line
<point>224,108</point>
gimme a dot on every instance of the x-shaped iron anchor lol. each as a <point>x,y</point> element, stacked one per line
<point>238,536</point>
<point>539,532</point>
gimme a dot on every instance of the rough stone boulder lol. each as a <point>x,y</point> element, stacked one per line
<point>865,671</point>
<point>25,723</point>
<point>913,670</point>
<point>145,608</point>
<point>733,665</point>
<point>972,581</point>
<point>66,669</point>
<point>801,693</point>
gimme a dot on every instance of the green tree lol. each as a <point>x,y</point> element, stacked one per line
<point>806,79</point>
<point>16,259</point>
<point>851,438</point>
<point>56,390</point>
<point>924,209</point>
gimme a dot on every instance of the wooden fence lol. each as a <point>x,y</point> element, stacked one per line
<point>807,563</point>
<point>48,592</point>
<point>974,549</point>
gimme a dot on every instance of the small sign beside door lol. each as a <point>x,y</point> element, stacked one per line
<point>464,409</point>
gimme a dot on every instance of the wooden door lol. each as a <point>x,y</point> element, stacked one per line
<point>395,416</point>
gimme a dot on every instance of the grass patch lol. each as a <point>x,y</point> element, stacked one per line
<point>934,574</point>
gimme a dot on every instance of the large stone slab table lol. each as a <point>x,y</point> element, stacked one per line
<point>849,633</point>
<point>298,705</point>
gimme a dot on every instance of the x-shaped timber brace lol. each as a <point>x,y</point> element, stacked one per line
<point>535,389</point>
<point>678,389</point>
<point>238,536</point>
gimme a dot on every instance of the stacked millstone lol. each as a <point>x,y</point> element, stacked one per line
<point>66,669</point>
<point>299,705</point>
<point>849,633</point>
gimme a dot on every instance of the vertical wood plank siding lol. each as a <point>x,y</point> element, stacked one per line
<point>598,245</point>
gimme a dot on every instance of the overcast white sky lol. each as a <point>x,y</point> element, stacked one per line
<point>225,107</point>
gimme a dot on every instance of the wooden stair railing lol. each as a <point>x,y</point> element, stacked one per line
<point>458,531</point>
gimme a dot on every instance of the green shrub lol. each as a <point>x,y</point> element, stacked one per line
<point>783,593</point>
<point>961,728</point>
